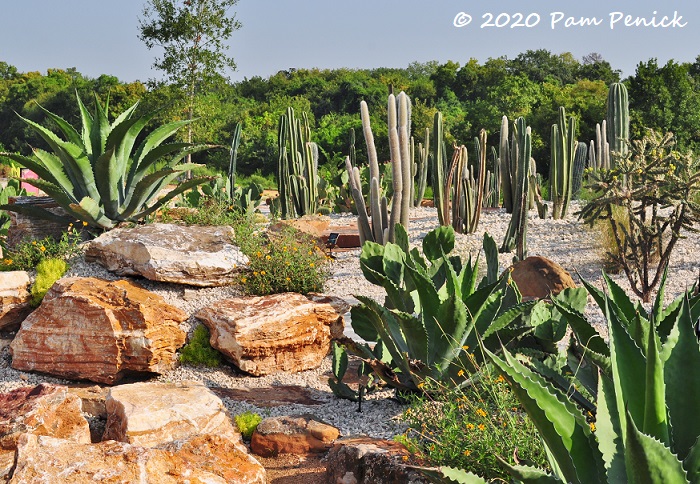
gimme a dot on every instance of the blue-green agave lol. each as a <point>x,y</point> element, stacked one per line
<point>100,175</point>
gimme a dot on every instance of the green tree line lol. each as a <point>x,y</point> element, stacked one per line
<point>471,96</point>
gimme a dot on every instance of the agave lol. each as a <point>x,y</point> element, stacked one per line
<point>100,175</point>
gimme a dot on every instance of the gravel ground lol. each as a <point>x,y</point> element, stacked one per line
<point>567,242</point>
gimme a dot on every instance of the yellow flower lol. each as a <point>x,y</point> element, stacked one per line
<point>42,248</point>
<point>481,427</point>
<point>311,264</point>
<point>255,273</point>
<point>592,425</point>
<point>258,254</point>
<point>470,426</point>
<point>85,224</point>
<point>262,273</point>
<point>287,279</point>
<point>8,262</point>
<point>33,242</point>
<point>421,385</point>
<point>310,252</point>
<point>404,458</point>
<point>500,379</point>
<point>480,412</point>
<point>244,280</point>
<point>467,452</point>
<point>295,249</point>
<point>267,257</point>
<point>465,348</point>
<point>284,248</point>
<point>460,373</point>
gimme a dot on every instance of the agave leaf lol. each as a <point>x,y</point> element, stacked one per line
<point>125,142</point>
<point>100,127</point>
<point>628,369</point>
<point>584,331</point>
<point>682,376</point>
<point>448,475</point>
<point>87,121</point>
<point>620,298</point>
<point>393,264</point>
<point>107,181</point>
<point>438,242</point>
<point>692,463</point>
<point>416,336</point>
<point>491,251</point>
<point>655,418</point>
<point>529,474</point>
<point>609,431</point>
<point>46,165</point>
<point>180,188</point>
<point>89,211</point>
<point>372,262</point>
<point>648,460</point>
<point>507,317</point>
<point>148,188</point>
<point>657,309</point>
<point>559,422</point>
<point>68,131</point>
<point>32,211</point>
<point>669,316</point>
<point>401,237</point>
<point>55,192</point>
<point>155,138</point>
<point>340,360</point>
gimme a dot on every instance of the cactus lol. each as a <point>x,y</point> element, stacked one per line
<point>579,166</point>
<point>381,228</point>
<point>618,120</point>
<point>420,168</point>
<point>297,173</point>
<point>516,235</point>
<point>492,186</point>
<point>439,167</point>
<point>231,179</point>
<point>561,167</point>
<point>506,167</point>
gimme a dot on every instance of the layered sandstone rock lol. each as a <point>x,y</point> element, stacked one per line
<point>538,277</point>
<point>204,458</point>
<point>267,334</point>
<point>292,435</point>
<point>88,328</point>
<point>194,255</point>
<point>14,299</point>
<point>148,414</point>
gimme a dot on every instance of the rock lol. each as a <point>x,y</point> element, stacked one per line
<point>194,255</point>
<point>292,435</point>
<point>14,299</point>
<point>42,410</point>
<point>363,460</point>
<point>92,397</point>
<point>272,396</point>
<point>91,329</point>
<point>25,227</point>
<point>313,225</point>
<point>538,277</point>
<point>208,458</point>
<point>148,414</point>
<point>267,334</point>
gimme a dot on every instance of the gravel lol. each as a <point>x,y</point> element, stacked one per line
<point>568,242</point>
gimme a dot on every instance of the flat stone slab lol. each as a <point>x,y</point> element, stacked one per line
<point>195,255</point>
<point>267,397</point>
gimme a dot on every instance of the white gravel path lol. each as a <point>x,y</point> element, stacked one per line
<point>568,242</point>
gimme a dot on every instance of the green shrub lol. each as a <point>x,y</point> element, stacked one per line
<point>288,261</point>
<point>27,255</point>
<point>468,428</point>
<point>247,422</point>
<point>48,271</point>
<point>199,351</point>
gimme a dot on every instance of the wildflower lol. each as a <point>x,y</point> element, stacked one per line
<point>421,385</point>
<point>500,379</point>
<point>258,254</point>
<point>8,262</point>
<point>255,273</point>
<point>467,452</point>
<point>465,348</point>
<point>244,280</point>
<point>404,458</point>
<point>284,249</point>
<point>460,373</point>
<point>470,426</point>
<point>592,425</point>
<point>287,279</point>
<point>33,242</point>
<point>85,224</point>
<point>262,273</point>
<point>295,249</point>
<point>311,264</point>
<point>480,412</point>
<point>42,248</point>
<point>482,427</point>
<point>267,257</point>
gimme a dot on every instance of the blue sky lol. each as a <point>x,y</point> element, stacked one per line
<point>100,36</point>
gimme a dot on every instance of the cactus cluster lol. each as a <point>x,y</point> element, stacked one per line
<point>297,171</point>
<point>561,167</point>
<point>419,168</point>
<point>518,167</point>
<point>381,228</point>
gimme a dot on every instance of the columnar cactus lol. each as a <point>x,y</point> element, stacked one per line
<point>381,228</point>
<point>297,173</point>
<point>561,167</point>
<point>618,120</point>
<point>506,167</point>
<point>420,169</point>
<point>492,195</point>
<point>439,167</point>
<point>579,166</point>
<point>516,236</point>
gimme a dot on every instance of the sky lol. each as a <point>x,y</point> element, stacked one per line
<point>101,36</point>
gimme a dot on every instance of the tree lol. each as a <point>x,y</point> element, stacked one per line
<point>192,34</point>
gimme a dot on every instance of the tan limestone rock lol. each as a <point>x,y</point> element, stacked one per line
<point>363,460</point>
<point>538,277</point>
<point>292,435</point>
<point>209,458</point>
<point>41,410</point>
<point>313,225</point>
<point>88,328</point>
<point>267,334</point>
<point>14,299</point>
<point>148,414</point>
<point>194,255</point>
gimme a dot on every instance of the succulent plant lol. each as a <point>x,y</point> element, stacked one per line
<point>618,120</point>
<point>561,167</point>
<point>97,176</point>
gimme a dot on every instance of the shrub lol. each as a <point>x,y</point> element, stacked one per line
<point>27,255</point>
<point>48,271</point>
<point>247,422</point>
<point>199,351</point>
<point>470,428</point>
<point>288,261</point>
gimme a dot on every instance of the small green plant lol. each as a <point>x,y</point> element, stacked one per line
<point>247,422</point>
<point>199,351</point>
<point>48,271</point>
<point>287,261</point>
<point>26,255</point>
<point>469,428</point>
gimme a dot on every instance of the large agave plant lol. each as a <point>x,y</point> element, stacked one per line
<point>99,175</point>
<point>648,387</point>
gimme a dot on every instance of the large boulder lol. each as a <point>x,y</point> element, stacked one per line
<point>267,334</point>
<point>194,255</point>
<point>363,460</point>
<point>203,458</point>
<point>301,434</point>
<point>148,414</point>
<point>92,329</point>
<point>538,277</point>
<point>14,299</point>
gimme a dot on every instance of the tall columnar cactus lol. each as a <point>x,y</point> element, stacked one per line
<point>381,227</point>
<point>231,179</point>
<point>600,157</point>
<point>492,187</point>
<point>506,167</point>
<point>439,167</point>
<point>579,167</point>
<point>420,169</point>
<point>561,168</point>
<point>618,120</point>
<point>297,174</point>
<point>516,236</point>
